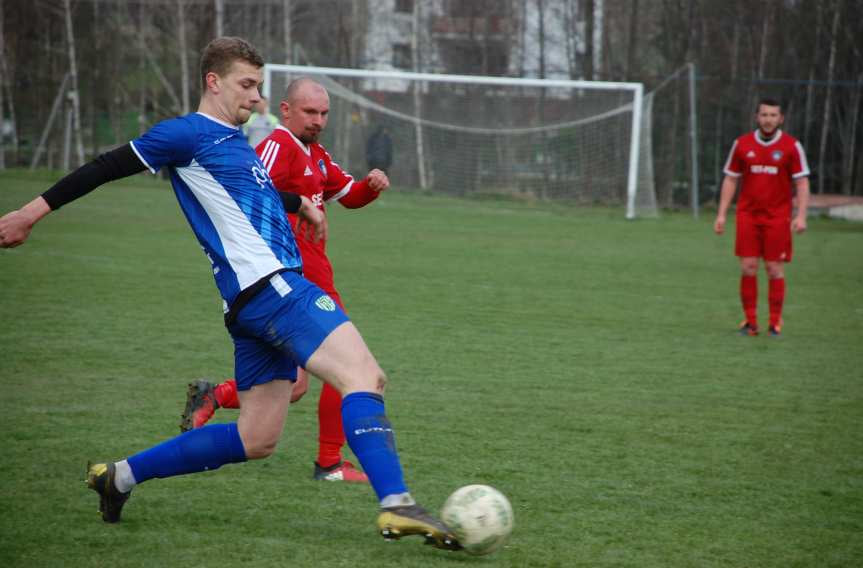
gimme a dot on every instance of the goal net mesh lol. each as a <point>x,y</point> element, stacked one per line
<point>459,138</point>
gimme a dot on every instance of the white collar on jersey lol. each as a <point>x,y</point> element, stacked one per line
<point>299,142</point>
<point>764,142</point>
<point>222,122</point>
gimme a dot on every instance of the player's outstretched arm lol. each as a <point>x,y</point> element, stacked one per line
<point>15,227</point>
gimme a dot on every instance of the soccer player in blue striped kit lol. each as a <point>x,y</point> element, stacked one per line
<point>276,319</point>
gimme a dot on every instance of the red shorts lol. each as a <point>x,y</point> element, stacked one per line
<point>318,270</point>
<point>765,237</point>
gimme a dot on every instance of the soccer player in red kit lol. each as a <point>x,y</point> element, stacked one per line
<point>769,162</point>
<point>298,164</point>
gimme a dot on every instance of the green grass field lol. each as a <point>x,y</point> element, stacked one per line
<point>583,364</point>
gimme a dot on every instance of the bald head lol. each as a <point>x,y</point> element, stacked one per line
<point>305,109</point>
<point>303,87</point>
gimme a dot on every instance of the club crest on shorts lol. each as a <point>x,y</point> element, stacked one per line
<point>776,155</point>
<point>326,303</point>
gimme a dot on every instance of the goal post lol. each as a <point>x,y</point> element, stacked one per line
<point>462,134</point>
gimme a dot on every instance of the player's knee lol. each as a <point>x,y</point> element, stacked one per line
<point>260,445</point>
<point>749,268</point>
<point>260,449</point>
<point>371,379</point>
<point>380,381</point>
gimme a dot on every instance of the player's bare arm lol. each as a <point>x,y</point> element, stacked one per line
<point>726,195</point>
<point>377,180</point>
<point>798,224</point>
<point>15,226</point>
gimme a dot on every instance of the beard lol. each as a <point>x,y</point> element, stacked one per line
<point>309,136</point>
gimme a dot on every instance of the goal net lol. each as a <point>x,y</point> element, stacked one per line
<point>468,135</point>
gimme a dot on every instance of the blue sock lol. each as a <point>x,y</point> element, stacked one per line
<point>197,450</point>
<point>370,436</point>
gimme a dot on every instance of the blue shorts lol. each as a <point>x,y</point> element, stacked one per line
<point>280,328</point>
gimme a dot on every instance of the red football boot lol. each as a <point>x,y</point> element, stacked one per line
<point>201,403</point>
<point>342,471</point>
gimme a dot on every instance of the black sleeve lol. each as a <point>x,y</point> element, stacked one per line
<point>290,201</point>
<point>109,166</point>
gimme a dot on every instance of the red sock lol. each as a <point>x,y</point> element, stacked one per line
<point>749,298</point>
<point>226,394</point>
<point>331,433</point>
<point>776,297</point>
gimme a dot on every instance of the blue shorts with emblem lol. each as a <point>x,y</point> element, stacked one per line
<point>280,328</point>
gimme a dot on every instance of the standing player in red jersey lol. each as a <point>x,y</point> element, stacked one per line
<point>298,164</point>
<point>767,161</point>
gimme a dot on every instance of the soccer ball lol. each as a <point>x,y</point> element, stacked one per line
<point>480,516</point>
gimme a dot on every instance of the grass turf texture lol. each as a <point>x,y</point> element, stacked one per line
<point>584,365</point>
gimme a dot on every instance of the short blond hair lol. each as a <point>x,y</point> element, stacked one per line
<point>221,53</point>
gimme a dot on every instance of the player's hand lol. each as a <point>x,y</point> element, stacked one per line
<point>311,221</point>
<point>14,228</point>
<point>301,386</point>
<point>719,225</point>
<point>798,225</point>
<point>377,180</point>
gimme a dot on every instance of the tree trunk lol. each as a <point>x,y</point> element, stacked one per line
<point>289,46</point>
<point>571,37</point>
<point>220,17</point>
<point>810,88</point>
<point>74,95</point>
<point>766,29</point>
<point>589,27</point>
<point>415,63</point>
<point>184,56</point>
<point>632,40</point>
<point>831,68</point>
<point>848,162</point>
<point>3,79</point>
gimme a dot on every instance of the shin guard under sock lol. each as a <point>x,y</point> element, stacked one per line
<point>370,436</point>
<point>201,449</point>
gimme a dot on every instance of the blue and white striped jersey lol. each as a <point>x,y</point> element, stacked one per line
<point>227,197</point>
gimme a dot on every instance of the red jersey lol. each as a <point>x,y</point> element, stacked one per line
<point>309,170</point>
<point>766,169</point>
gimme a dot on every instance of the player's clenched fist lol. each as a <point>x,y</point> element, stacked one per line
<point>377,180</point>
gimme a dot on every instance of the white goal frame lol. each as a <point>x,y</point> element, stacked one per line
<point>636,88</point>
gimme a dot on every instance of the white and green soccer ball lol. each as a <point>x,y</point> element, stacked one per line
<point>480,516</point>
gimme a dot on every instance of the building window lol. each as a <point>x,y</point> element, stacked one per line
<point>402,56</point>
<point>405,6</point>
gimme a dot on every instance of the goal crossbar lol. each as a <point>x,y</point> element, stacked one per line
<point>637,90</point>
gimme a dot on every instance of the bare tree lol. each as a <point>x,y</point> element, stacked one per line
<point>816,64</point>
<point>589,27</point>
<point>418,20</point>
<point>851,137</point>
<point>184,55</point>
<point>2,89</point>
<point>831,67</point>
<point>286,27</point>
<point>74,94</point>
<point>632,40</point>
<point>220,17</point>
